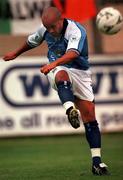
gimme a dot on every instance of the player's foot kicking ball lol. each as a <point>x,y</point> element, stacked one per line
<point>73,117</point>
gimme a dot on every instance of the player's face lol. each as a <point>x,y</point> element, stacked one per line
<point>54,27</point>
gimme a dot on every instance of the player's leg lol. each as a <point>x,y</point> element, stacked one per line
<point>64,89</point>
<point>87,111</point>
<point>82,88</point>
<point>61,79</point>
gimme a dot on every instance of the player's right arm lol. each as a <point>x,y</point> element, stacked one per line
<point>12,55</point>
<point>33,41</point>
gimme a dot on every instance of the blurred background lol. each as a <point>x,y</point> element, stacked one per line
<point>28,103</point>
<point>19,18</point>
<point>30,107</point>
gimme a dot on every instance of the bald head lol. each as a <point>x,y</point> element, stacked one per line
<point>51,19</point>
<point>51,12</point>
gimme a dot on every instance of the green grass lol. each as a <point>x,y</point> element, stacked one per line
<point>58,158</point>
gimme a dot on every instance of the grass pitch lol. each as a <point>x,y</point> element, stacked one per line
<point>58,158</point>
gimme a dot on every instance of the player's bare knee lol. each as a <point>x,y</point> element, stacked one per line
<point>62,75</point>
<point>88,113</point>
<point>88,116</point>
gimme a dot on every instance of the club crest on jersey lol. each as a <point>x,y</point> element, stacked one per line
<point>74,38</point>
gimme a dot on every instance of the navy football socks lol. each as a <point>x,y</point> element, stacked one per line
<point>65,91</point>
<point>94,138</point>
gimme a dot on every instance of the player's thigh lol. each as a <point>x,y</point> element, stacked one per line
<point>87,109</point>
<point>60,73</point>
<point>82,84</point>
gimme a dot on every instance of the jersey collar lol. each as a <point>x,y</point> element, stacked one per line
<point>65,24</point>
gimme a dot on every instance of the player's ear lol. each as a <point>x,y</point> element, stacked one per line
<point>61,20</point>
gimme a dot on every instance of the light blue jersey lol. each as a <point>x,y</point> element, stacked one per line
<point>73,37</point>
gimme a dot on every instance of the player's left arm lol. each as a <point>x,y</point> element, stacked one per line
<point>66,58</point>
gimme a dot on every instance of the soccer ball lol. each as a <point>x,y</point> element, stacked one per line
<point>109,20</point>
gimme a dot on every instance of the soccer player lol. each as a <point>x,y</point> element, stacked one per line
<point>69,74</point>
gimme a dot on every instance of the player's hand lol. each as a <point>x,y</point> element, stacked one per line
<point>10,56</point>
<point>47,68</point>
